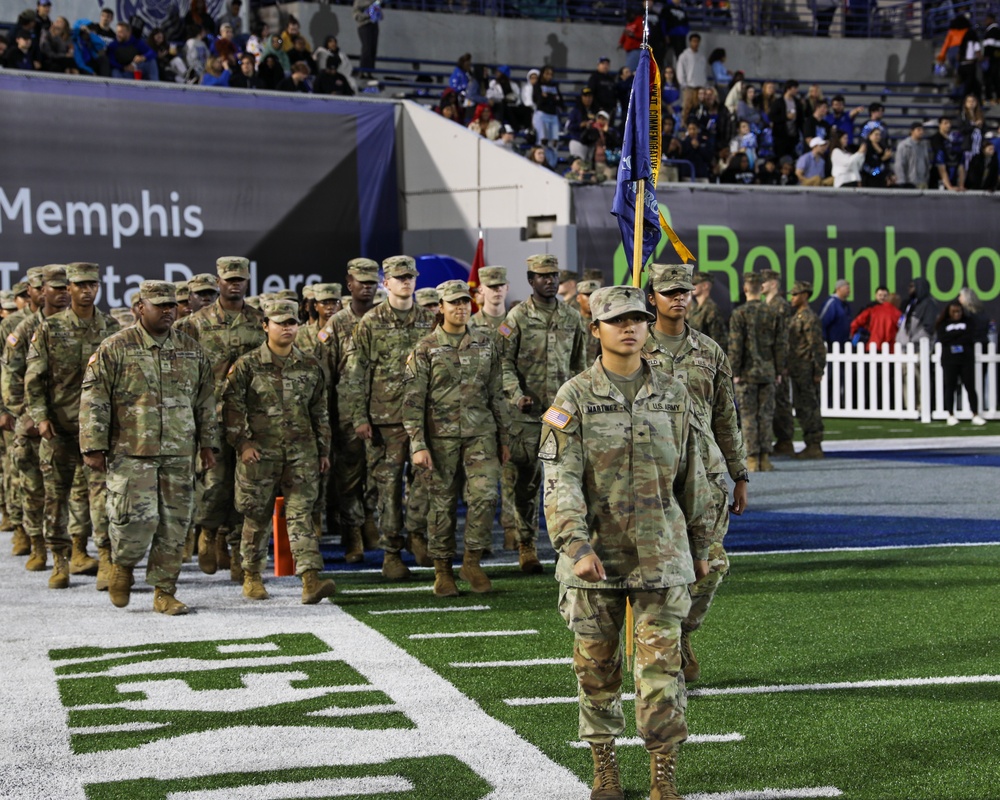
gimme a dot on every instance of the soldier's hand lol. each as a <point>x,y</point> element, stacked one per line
<point>250,456</point>
<point>7,422</point>
<point>819,378</point>
<point>700,568</point>
<point>45,429</point>
<point>504,454</point>
<point>207,458</point>
<point>364,431</point>
<point>739,498</point>
<point>324,465</point>
<point>524,403</point>
<point>97,461</point>
<point>422,459</point>
<point>736,379</point>
<point>590,568</point>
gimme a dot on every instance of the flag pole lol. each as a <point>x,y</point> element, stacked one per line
<point>640,185</point>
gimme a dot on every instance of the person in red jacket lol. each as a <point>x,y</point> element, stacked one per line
<point>880,319</point>
<point>631,40</point>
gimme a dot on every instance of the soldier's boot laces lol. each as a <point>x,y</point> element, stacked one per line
<point>473,573</point>
<point>188,550</point>
<point>444,578</point>
<point>527,559</point>
<point>207,560</point>
<point>753,464</point>
<point>369,533</point>
<point>21,543</point>
<point>354,549</point>
<point>314,589</point>
<point>393,567</point>
<point>607,778</point>
<point>689,662</point>
<point>784,448</point>
<point>811,451</point>
<point>222,560</point>
<point>38,561</point>
<point>663,776</point>
<point>104,567</point>
<point>120,586</point>
<point>253,587</point>
<point>59,579</point>
<point>418,546</point>
<point>164,602</point>
<point>765,463</point>
<point>235,564</point>
<point>80,563</point>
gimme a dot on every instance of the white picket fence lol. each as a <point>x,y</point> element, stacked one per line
<point>869,383</point>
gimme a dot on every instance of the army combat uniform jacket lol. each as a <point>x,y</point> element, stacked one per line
<point>628,485</point>
<point>225,336</point>
<point>705,317</point>
<point>806,348</point>
<point>758,343</point>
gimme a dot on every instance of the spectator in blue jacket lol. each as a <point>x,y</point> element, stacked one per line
<point>836,315</point>
<point>129,55</point>
<point>459,79</point>
<point>842,119</point>
<point>88,50</point>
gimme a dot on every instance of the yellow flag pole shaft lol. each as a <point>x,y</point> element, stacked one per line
<point>637,265</point>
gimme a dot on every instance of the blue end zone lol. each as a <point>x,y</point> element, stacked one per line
<point>971,459</point>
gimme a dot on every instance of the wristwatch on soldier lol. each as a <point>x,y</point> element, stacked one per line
<point>743,476</point>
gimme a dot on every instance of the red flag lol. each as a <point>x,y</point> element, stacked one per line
<point>477,262</point>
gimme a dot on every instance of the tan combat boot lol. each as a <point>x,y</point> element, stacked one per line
<point>207,553</point>
<point>692,669</point>
<point>253,587</point>
<point>164,602</point>
<point>6,525</point>
<point>662,775</point>
<point>354,549</point>
<point>59,579</point>
<point>765,463</point>
<point>80,563</point>
<point>222,560</point>
<point>120,586</point>
<point>753,464</point>
<point>418,546</point>
<point>473,573</point>
<point>314,589</point>
<point>21,544</point>
<point>811,451</point>
<point>393,567</point>
<point>607,779</point>
<point>444,578</point>
<point>509,539</point>
<point>104,567</point>
<point>528,559</point>
<point>189,541</point>
<point>369,533</point>
<point>235,564</point>
<point>38,561</point>
<point>784,448</point>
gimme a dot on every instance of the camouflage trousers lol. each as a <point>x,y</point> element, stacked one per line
<point>805,394</point>
<point>388,456</point>
<point>11,481</point>
<point>75,496</point>
<point>215,505</point>
<point>346,495</point>
<point>297,481</point>
<point>26,463</point>
<point>508,515</point>
<point>756,404</point>
<point>524,442</point>
<point>475,458</point>
<point>150,502</point>
<point>784,425</point>
<point>716,519</point>
<point>596,617</point>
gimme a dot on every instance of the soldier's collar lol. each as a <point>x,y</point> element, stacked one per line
<point>149,342</point>
<point>603,387</point>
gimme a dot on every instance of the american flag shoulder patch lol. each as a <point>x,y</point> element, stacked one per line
<point>505,330</point>
<point>12,340</point>
<point>323,336</point>
<point>556,417</point>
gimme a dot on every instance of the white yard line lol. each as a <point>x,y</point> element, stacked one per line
<point>388,590</point>
<point>912,443</point>
<point>858,549</point>
<point>769,794</point>
<point>471,634</point>
<point>530,662</point>
<point>335,787</point>
<point>429,610</point>
<point>696,738</point>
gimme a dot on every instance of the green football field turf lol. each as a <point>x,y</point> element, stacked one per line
<point>843,429</point>
<point>799,621</point>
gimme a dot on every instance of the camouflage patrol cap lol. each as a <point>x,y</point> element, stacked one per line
<point>609,302</point>
<point>770,275</point>
<point>54,275</point>
<point>82,271</point>
<point>34,278</point>
<point>363,269</point>
<point>287,294</point>
<point>281,311</point>
<point>19,288</point>
<point>267,297</point>
<point>380,295</point>
<point>492,276</point>
<point>802,287</point>
<point>124,316</point>
<point>593,275</point>
<point>7,301</point>
<point>203,282</point>
<point>327,291</point>
<point>182,291</point>
<point>159,293</point>
<point>587,287</point>
<point>752,279</point>
<point>453,290</point>
<point>399,267</point>
<point>253,301</point>
<point>233,267</point>
<point>667,277</point>
<point>309,292</point>
<point>427,297</point>
<point>703,277</point>
<point>568,275</point>
<point>543,264</point>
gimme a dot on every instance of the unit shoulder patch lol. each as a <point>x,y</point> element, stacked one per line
<point>549,450</point>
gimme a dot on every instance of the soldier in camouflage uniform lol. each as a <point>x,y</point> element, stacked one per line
<point>456,416</point>
<point>147,407</point>
<point>226,330</point>
<point>326,301</point>
<point>784,425</point>
<point>373,391</point>
<point>430,299</point>
<point>702,366</point>
<point>543,347</point>
<point>183,306</point>
<point>8,306</point>
<point>55,298</point>
<point>21,543</point>
<point>203,290</point>
<point>584,290</point>
<point>123,316</point>
<point>351,503</point>
<point>704,315</point>
<point>806,366</point>
<point>758,347</point>
<point>276,419</point>
<point>625,498</point>
<point>57,360</point>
